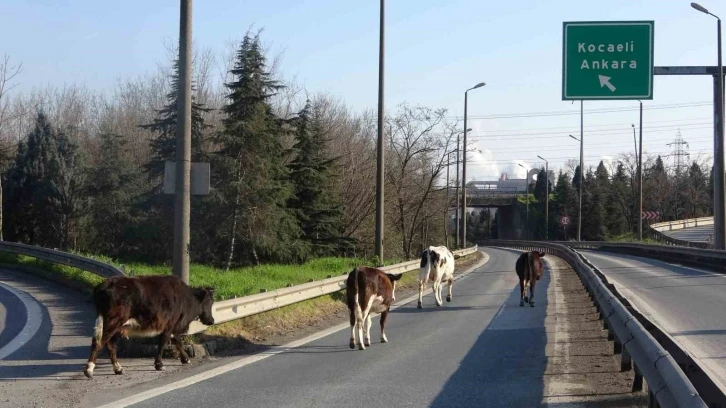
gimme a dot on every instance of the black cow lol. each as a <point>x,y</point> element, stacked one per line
<point>146,306</point>
<point>529,271</point>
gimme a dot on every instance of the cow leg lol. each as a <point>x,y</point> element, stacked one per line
<point>352,329</point>
<point>526,286</point>
<point>163,340</point>
<point>103,333</point>
<point>451,283</point>
<point>532,283</point>
<point>384,316</point>
<point>521,292</point>
<point>421,287</point>
<point>183,357</point>
<point>359,322</point>
<point>111,346</point>
<point>368,331</point>
<point>437,293</point>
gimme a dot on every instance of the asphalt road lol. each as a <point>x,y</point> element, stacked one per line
<point>685,302</point>
<point>694,234</point>
<point>480,350</point>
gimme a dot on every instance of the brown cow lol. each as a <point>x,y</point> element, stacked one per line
<point>375,291</point>
<point>529,271</point>
<point>146,306</point>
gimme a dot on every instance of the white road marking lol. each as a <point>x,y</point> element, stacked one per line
<point>244,361</point>
<point>32,324</point>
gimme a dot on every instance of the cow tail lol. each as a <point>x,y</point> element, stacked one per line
<point>98,329</point>
<point>360,287</point>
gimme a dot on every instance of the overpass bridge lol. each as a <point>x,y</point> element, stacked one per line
<point>502,194</point>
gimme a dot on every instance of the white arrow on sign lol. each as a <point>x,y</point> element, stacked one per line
<point>605,81</point>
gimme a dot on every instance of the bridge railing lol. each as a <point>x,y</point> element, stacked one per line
<point>666,381</point>
<point>680,224</point>
<point>52,255</point>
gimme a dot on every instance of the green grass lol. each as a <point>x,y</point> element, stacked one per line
<point>235,283</point>
<point>629,238</point>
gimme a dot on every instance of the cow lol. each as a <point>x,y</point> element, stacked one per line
<point>529,271</point>
<point>146,306</point>
<point>368,290</point>
<point>437,266</point>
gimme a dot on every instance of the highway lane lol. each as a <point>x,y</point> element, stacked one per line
<point>685,302</point>
<point>694,234</point>
<point>480,350</point>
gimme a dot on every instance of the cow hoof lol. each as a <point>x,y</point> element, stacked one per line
<point>120,371</point>
<point>368,343</point>
<point>159,367</point>
<point>185,361</point>
<point>448,298</point>
<point>439,304</point>
<point>526,299</point>
<point>352,344</point>
<point>521,303</point>
<point>419,305</point>
<point>361,347</point>
<point>384,339</point>
<point>88,374</point>
<point>531,304</point>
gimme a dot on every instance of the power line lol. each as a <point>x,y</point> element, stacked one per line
<point>577,112</point>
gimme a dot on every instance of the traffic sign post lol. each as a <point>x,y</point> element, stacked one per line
<point>564,220</point>
<point>608,60</point>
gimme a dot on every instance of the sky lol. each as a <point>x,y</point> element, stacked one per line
<point>435,50</point>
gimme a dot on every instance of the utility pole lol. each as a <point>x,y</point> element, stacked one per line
<point>458,221</point>
<point>582,175</point>
<point>380,151</point>
<point>547,198</point>
<point>463,167</point>
<point>182,200</point>
<point>640,177</point>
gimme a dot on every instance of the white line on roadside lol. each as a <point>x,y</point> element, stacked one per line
<point>143,396</point>
<point>32,323</point>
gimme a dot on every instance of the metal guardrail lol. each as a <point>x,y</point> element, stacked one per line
<point>700,257</point>
<point>90,265</point>
<point>667,383</point>
<point>680,224</point>
<point>232,309</point>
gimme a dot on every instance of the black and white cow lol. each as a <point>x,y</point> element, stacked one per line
<point>437,266</point>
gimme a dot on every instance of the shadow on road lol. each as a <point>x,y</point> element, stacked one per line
<point>506,366</point>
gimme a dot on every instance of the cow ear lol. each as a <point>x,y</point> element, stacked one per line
<point>393,277</point>
<point>541,254</point>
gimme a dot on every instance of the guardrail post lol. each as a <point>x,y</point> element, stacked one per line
<point>626,363</point>
<point>617,346</point>
<point>637,379</point>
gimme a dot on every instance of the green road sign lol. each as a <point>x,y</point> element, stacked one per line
<point>607,60</point>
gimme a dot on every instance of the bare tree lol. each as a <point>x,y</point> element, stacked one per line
<point>419,139</point>
<point>8,74</point>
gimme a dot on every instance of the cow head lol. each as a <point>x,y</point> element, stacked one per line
<point>393,279</point>
<point>541,254</point>
<point>205,296</point>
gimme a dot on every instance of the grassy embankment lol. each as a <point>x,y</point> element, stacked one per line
<point>236,283</point>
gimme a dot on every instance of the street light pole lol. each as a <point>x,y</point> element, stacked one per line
<point>182,198</point>
<point>719,210</point>
<point>463,175</point>
<point>458,220</point>
<point>579,205</point>
<point>640,176</point>
<point>380,151</point>
<point>547,198</point>
<point>526,178</point>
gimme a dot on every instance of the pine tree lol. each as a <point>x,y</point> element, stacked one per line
<point>253,179</point>
<point>566,201</point>
<point>593,210</point>
<point>111,188</point>
<point>43,187</point>
<point>163,146</point>
<point>313,199</point>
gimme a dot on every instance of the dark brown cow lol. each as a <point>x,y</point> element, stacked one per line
<point>529,270</point>
<point>369,290</point>
<point>146,306</point>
